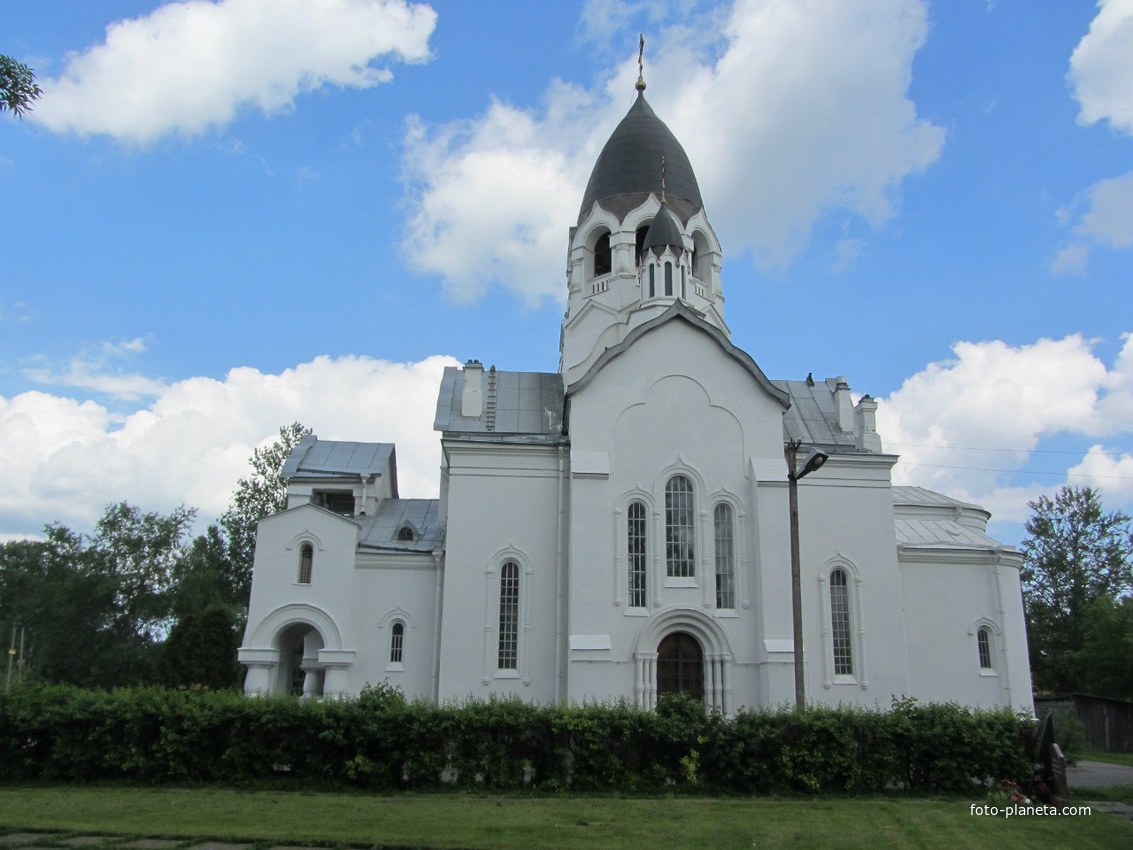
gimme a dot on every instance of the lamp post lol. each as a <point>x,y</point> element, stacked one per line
<point>813,461</point>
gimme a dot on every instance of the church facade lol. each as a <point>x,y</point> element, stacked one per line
<point>619,529</point>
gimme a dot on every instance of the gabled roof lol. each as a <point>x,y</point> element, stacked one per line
<point>523,404</point>
<point>680,311</point>
<point>421,515</point>
<point>318,459</point>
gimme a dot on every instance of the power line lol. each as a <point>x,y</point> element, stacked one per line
<point>1118,453</point>
<point>1019,471</point>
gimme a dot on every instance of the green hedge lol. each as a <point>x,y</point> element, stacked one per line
<point>380,741</point>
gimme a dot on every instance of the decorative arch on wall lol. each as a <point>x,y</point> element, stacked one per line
<point>306,536</point>
<point>713,641</point>
<point>397,614</point>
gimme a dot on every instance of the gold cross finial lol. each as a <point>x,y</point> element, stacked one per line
<point>640,62</point>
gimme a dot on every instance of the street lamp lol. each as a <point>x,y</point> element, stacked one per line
<point>813,461</point>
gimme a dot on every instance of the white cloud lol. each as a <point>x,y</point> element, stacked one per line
<point>1101,67</point>
<point>1107,219</point>
<point>966,425</point>
<point>187,67</point>
<point>1107,471</point>
<point>92,370</point>
<point>800,107</point>
<point>64,459</point>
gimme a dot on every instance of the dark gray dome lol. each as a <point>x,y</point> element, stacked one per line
<point>630,163</point>
<point>663,232</point>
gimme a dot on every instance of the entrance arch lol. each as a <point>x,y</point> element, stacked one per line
<point>682,649</point>
<point>680,666</point>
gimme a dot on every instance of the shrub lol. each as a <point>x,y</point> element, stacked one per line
<point>382,741</point>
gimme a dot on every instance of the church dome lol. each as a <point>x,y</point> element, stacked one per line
<point>663,232</point>
<point>630,164</point>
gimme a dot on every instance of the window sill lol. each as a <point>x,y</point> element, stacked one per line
<point>843,679</point>
<point>727,613</point>
<point>681,581</point>
<point>395,668</point>
<point>507,674</point>
<point>986,671</point>
<point>636,612</point>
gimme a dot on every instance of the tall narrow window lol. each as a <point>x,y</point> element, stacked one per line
<point>684,282</point>
<point>668,278</point>
<point>725,556</point>
<point>840,623</point>
<point>635,538</point>
<point>652,280</point>
<point>509,616</point>
<point>602,259</point>
<point>983,644</point>
<point>306,562</point>
<point>679,528</point>
<point>396,642</point>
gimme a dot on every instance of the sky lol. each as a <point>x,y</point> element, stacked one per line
<point>226,216</point>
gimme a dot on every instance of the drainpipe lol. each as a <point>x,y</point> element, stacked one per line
<point>560,648</point>
<point>438,606</point>
<point>1003,630</point>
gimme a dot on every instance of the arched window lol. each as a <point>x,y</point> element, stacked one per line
<point>306,562</point>
<point>396,642</point>
<point>405,533</point>
<point>684,282</point>
<point>680,666</point>
<point>983,645</point>
<point>602,258</point>
<point>840,628</point>
<point>668,278</point>
<point>680,530</point>
<point>724,527</point>
<point>508,654</point>
<point>635,540</point>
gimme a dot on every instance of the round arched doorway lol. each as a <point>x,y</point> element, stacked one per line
<point>680,666</point>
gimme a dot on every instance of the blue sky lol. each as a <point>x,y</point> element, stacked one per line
<point>226,216</point>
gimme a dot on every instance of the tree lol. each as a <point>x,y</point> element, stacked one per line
<point>265,492</point>
<point>1075,553</point>
<point>1107,655</point>
<point>61,606</point>
<point>18,89</point>
<point>201,650</point>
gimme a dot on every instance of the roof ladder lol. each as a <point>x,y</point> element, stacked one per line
<point>490,406</point>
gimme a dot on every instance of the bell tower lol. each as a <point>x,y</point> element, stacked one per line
<point>642,241</point>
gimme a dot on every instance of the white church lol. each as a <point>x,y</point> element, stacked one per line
<point>619,529</point>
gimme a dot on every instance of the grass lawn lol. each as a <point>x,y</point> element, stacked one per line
<point>502,822</point>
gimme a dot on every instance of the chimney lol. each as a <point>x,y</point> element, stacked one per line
<point>843,403</point>
<point>472,402</point>
<point>865,425</point>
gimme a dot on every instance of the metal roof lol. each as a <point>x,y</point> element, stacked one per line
<point>630,162</point>
<point>813,416</point>
<point>921,497</point>
<point>663,231</point>
<point>515,403</point>
<point>315,458</point>
<point>422,516</point>
<point>941,533</point>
